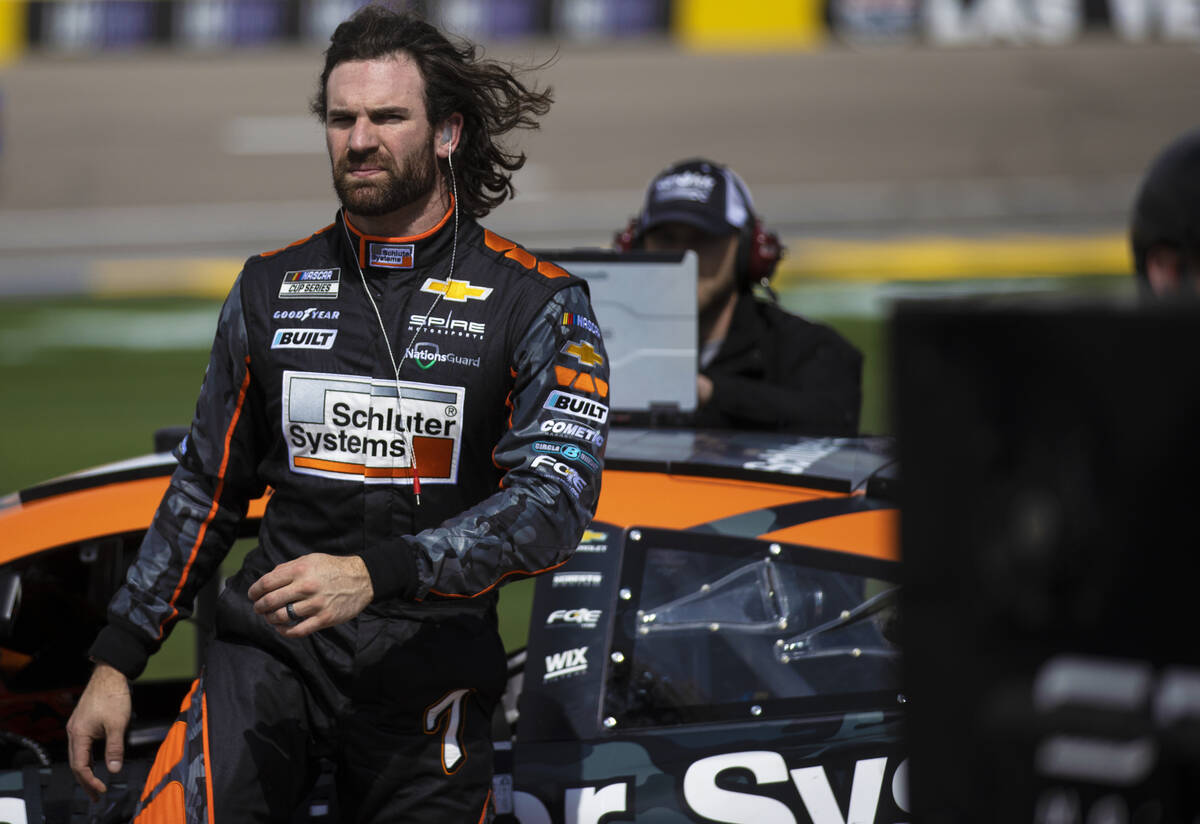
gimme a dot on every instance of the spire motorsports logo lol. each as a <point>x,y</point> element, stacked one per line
<point>355,428</point>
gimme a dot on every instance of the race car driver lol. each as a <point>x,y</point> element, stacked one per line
<point>426,401</point>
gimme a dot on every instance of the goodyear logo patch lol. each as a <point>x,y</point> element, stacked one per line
<point>391,255</point>
<point>459,291</point>
<point>311,283</point>
<point>304,339</point>
<point>353,428</point>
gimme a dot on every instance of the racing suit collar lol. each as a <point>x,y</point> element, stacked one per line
<point>383,254</point>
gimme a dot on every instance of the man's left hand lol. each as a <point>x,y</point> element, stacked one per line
<point>323,590</point>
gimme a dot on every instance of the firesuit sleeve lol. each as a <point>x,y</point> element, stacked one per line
<point>551,484</point>
<point>197,520</point>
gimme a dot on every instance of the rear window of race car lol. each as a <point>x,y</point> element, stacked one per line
<point>714,628</point>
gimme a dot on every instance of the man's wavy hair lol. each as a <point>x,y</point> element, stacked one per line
<point>489,96</point>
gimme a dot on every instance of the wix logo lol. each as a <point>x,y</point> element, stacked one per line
<point>567,662</point>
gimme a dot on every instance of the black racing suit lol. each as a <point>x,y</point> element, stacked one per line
<point>502,398</point>
<point>775,370</point>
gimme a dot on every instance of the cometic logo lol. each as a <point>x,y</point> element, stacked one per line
<point>570,429</point>
<point>304,339</point>
<point>585,408</point>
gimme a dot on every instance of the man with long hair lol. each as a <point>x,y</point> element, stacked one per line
<point>395,379</point>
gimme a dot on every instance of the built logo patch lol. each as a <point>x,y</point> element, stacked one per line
<point>571,404</point>
<point>353,428</point>
<point>304,339</point>
<point>311,283</point>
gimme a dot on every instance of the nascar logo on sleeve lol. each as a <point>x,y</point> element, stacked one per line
<point>585,408</point>
<point>311,283</point>
<point>582,321</point>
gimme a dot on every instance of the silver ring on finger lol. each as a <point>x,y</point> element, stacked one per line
<point>291,613</point>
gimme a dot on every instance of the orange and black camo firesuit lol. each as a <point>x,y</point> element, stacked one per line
<point>501,395</point>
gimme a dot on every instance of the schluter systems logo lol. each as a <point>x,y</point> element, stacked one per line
<point>351,428</point>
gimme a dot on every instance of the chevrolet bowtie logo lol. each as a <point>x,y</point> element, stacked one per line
<point>584,353</point>
<point>456,290</point>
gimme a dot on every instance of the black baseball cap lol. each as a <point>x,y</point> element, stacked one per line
<point>700,193</point>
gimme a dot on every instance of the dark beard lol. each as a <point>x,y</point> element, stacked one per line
<point>373,199</point>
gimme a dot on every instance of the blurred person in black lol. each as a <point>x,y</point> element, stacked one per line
<point>388,378</point>
<point>760,366</point>
<point>1165,226</point>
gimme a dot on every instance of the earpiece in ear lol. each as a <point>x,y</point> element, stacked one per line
<point>447,134</point>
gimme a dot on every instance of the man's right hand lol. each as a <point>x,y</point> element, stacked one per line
<point>102,713</point>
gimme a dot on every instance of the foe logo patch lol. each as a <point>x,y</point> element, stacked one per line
<point>311,283</point>
<point>351,428</point>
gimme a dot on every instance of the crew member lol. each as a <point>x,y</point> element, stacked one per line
<point>1165,226</point>
<point>760,366</point>
<point>409,429</point>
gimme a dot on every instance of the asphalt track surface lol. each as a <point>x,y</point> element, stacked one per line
<point>165,156</point>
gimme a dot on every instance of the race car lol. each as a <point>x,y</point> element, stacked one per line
<point>722,646</point>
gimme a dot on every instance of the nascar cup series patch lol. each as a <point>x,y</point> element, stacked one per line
<point>311,283</point>
<point>353,428</point>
